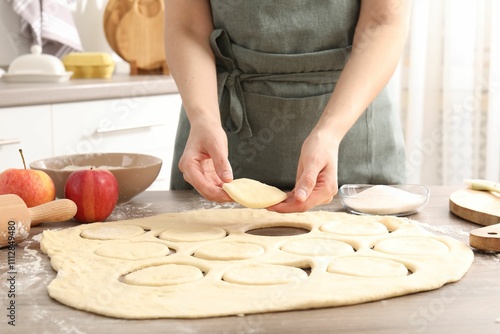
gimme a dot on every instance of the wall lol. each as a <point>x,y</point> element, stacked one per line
<point>11,43</point>
<point>88,16</point>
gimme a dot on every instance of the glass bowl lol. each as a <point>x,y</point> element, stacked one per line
<point>394,200</point>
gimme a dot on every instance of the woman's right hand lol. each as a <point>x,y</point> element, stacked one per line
<point>204,163</point>
<point>191,62</point>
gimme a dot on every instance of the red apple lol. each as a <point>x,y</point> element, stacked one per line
<point>33,186</point>
<point>95,193</point>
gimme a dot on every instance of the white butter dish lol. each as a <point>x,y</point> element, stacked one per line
<point>26,77</point>
<point>37,67</point>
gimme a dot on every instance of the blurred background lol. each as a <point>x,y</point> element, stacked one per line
<point>447,85</point>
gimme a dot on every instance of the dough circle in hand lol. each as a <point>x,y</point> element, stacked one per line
<point>253,194</point>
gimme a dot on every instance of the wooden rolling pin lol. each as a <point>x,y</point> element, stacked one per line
<point>16,218</point>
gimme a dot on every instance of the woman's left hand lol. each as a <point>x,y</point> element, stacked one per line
<point>316,182</point>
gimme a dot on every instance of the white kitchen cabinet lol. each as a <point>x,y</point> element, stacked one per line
<point>131,124</point>
<point>27,128</point>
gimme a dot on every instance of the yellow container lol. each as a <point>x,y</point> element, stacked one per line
<point>89,64</point>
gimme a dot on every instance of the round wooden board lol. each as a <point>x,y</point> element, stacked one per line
<point>480,207</point>
<point>134,30</point>
<point>115,10</point>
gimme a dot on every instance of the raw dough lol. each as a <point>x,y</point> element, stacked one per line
<point>111,232</point>
<point>133,251</point>
<point>361,228</point>
<point>264,274</point>
<point>216,268</point>
<point>192,232</point>
<point>167,274</point>
<point>253,194</point>
<point>227,251</point>
<point>317,247</point>
<point>367,267</point>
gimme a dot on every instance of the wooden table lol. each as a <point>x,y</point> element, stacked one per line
<point>471,305</point>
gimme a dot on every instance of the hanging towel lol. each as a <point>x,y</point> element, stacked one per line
<point>49,23</point>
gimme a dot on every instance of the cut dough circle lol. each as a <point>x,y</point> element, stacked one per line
<point>133,250</point>
<point>192,233</point>
<point>253,194</point>
<point>110,232</point>
<point>361,228</point>
<point>264,274</point>
<point>228,251</point>
<point>317,247</point>
<point>167,274</point>
<point>412,246</point>
<point>367,267</point>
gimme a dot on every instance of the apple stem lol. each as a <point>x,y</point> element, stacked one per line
<point>22,157</point>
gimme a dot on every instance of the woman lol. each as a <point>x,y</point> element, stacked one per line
<point>287,92</point>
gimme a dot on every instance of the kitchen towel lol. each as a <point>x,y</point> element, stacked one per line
<point>49,23</point>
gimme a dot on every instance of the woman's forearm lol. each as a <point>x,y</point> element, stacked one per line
<point>188,25</point>
<point>378,41</point>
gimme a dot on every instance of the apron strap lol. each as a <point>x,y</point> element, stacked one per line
<point>231,96</point>
<point>317,68</point>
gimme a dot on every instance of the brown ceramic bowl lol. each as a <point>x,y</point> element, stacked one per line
<point>135,172</point>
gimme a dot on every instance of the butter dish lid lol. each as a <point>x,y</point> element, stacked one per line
<point>36,63</point>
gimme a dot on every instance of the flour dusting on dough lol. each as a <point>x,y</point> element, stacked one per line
<point>131,210</point>
<point>35,274</point>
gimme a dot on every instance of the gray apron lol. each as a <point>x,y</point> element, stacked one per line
<point>277,65</point>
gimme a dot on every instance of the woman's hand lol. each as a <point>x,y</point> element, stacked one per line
<point>378,41</point>
<point>316,182</point>
<point>204,162</point>
<point>191,62</point>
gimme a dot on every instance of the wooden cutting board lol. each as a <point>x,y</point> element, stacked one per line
<point>480,207</point>
<point>134,30</point>
<point>115,10</point>
<point>483,208</point>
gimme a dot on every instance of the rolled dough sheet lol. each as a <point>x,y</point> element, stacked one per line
<point>202,263</point>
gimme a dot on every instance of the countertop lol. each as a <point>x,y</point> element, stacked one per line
<point>77,90</point>
<point>471,305</point>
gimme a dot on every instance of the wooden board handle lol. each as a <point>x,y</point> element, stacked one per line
<point>55,211</point>
<point>486,238</point>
